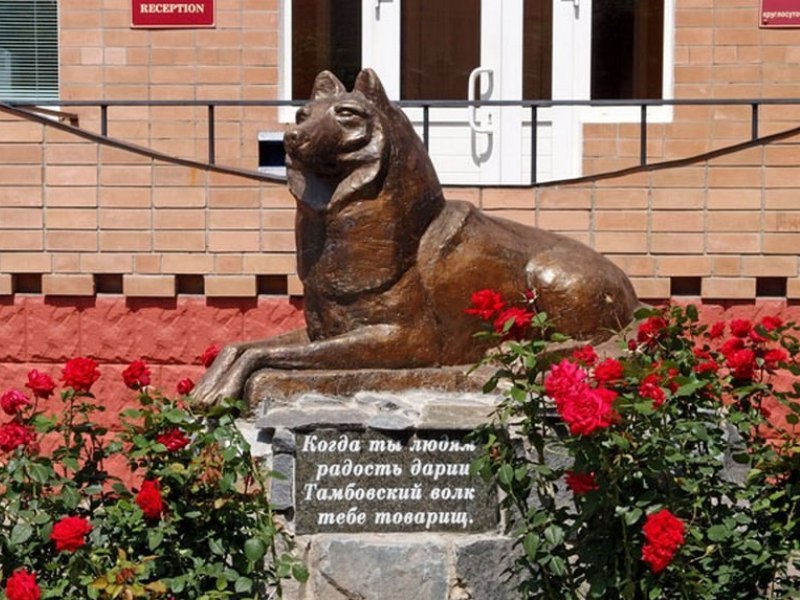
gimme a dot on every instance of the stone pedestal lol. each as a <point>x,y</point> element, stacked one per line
<point>377,490</point>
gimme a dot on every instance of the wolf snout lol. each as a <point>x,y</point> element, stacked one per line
<point>291,137</point>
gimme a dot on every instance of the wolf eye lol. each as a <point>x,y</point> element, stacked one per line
<point>300,116</point>
<point>347,114</point>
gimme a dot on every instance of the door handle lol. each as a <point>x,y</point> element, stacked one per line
<point>473,110</point>
<point>378,8</point>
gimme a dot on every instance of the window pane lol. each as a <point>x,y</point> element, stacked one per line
<point>28,50</point>
<point>326,34</point>
<point>537,46</point>
<point>440,45</point>
<point>627,48</point>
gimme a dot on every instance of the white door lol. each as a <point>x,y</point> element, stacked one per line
<point>487,50</point>
<point>507,50</point>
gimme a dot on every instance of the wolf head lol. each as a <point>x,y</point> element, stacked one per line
<point>344,143</point>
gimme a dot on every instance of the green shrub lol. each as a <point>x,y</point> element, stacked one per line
<point>171,506</point>
<point>655,474</point>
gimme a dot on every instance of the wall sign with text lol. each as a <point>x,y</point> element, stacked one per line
<point>172,13</point>
<point>779,13</point>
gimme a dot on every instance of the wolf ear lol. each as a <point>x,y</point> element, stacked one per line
<point>368,84</point>
<point>327,85</point>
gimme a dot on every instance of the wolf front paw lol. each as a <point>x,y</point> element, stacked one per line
<point>220,381</point>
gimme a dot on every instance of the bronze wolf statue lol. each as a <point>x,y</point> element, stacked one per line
<point>389,265</point>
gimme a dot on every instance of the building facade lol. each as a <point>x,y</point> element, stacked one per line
<point>163,257</point>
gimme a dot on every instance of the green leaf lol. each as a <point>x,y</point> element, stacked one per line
<point>505,475</point>
<point>299,572</point>
<point>216,547</point>
<point>39,473</point>
<point>154,538</point>
<point>20,534</point>
<point>557,566</point>
<point>632,516</point>
<point>718,533</point>
<point>243,585</point>
<point>531,545</point>
<point>70,496</point>
<point>643,313</point>
<point>691,312</point>
<point>688,389</point>
<point>254,549</point>
<point>554,535</point>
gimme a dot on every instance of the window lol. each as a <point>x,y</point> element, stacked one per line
<point>439,47</point>
<point>627,49</point>
<point>28,50</point>
<point>326,34</point>
<point>537,50</point>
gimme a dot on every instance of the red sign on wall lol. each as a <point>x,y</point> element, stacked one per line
<point>172,13</point>
<point>780,13</point>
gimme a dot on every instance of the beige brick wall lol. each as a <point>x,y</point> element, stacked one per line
<point>725,227</point>
<point>85,216</point>
<point>103,58</point>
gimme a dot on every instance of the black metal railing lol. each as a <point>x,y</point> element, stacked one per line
<point>534,106</point>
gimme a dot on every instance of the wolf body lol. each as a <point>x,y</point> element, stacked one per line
<point>388,265</point>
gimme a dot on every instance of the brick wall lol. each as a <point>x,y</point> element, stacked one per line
<point>79,217</point>
<point>87,218</point>
<point>103,58</point>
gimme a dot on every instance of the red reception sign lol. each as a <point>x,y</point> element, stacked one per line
<point>172,13</point>
<point>780,13</point>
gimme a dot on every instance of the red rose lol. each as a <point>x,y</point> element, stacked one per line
<point>773,357</point>
<point>41,384</point>
<point>22,586</point>
<point>80,374</point>
<point>209,354</point>
<point>708,366</point>
<point>740,327</point>
<point>149,499</point>
<point>12,400</point>
<point>741,363</point>
<point>732,345</point>
<point>770,322</point>
<point>581,483</point>
<point>13,435</point>
<point>663,533</point>
<point>485,303</point>
<point>608,370</point>
<point>521,321</point>
<point>717,330</point>
<point>174,439</point>
<point>69,532</point>
<point>586,410</point>
<point>701,353</point>
<point>651,330</point>
<point>563,378</point>
<point>185,386</point>
<point>585,355</point>
<point>649,388</point>
<point>137,375</point>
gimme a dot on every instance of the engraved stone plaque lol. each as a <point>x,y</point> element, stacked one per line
<point>369,481</point>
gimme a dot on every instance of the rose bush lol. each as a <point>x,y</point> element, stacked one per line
<point>182,514</point>
<point>652,473</point>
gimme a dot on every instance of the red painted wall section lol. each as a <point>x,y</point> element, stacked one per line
<point>170,334</point>
<point>43,333</point>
